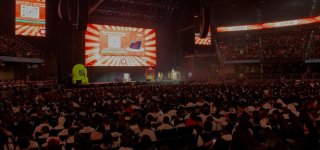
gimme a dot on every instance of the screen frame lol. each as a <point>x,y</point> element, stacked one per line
<point>37,26</point>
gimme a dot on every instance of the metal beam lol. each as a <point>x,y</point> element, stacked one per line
<point>186,28</point>
<point>95,6</point>
<point>21,59</point>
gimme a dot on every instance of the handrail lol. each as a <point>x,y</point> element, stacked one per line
<point>267,76</point>
<point>9,85</point>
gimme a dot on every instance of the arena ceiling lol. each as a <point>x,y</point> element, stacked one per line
<point>234,12</point>
<point>152,10</point>
<point>227,12</point>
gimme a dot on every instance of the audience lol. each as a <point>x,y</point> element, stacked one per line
<point>288,44</point>
<point>293,44</point>
<point>257,115</point>
<point>314,49</point>
<point>15,47</point>
<point>239,47</point>
<point>17,85</point>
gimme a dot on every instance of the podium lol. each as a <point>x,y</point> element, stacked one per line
<point>149,74</point>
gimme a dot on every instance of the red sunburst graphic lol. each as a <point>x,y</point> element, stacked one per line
<point>99,53</point>
<point>30,30</point>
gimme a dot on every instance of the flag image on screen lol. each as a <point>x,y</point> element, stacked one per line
<point>30,17</point>
<point>107,45</point>
<point>135,44</point>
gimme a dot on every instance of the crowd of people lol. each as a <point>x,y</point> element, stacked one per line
<point>289,44</point>
<point>4,46</point>
<point>13,47</point>
<point>249,68</point>
<point>246,116</point>
<point>314,49</point>
<point>8,85</point>
<point>293,44</point>
<point>239,47</point>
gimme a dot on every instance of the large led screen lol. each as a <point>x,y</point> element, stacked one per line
<point>107,45</point>
<point>30,17</point>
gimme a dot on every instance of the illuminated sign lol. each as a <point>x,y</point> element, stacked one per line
<point>270,25</point>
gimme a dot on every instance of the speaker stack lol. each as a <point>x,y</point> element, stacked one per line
<point>202,12</point>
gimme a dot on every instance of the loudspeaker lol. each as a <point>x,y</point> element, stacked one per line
<point>196,7</point>
<point>204,17</point>
<point>83,15</point>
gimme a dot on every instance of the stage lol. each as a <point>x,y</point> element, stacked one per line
<point>132,83</point>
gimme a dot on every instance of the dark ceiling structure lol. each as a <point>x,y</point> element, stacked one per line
<point>237,12</point>
<point>144,10</point>
<point>226,12</point>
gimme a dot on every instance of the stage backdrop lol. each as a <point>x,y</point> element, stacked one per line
<point>107,45</point>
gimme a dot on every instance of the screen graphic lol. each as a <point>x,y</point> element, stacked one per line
<point>270,25</point>
<point>107,45</point>
<point>203,41</point>
<point>30,17</point>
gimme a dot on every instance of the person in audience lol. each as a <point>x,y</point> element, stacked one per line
<point>242,137</point>
<point>53,144</point>
<point>71,136</point>
<point>44,132</point>
<point>5,142</point>
<point>53,134</point>
<point>24,143</point>
<point>145,129</point>
<point>146,143</point>
<point>97,135</point>
<point>165,124</point>
<point>39,128</point>
<point>86,127</point>
<point>107,142</point>
<point>206,139</point>
<point>128,140</point>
